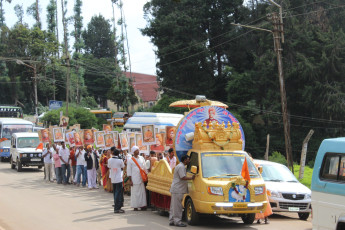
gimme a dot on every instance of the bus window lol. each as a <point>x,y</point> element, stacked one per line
<point>9,129</point>
<point>11,111</point>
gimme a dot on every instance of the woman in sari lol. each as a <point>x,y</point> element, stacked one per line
<point>105,171</point>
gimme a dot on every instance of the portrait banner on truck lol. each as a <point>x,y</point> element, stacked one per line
<point>204,114</point>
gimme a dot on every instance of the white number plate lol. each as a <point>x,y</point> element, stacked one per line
<point>293,209</point>
<point>35,159</point>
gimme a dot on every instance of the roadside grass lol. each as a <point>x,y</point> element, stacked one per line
<point>308,172</point>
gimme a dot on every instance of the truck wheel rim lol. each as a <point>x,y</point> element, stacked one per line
<point>189,211</point>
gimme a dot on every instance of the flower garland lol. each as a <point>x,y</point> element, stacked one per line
<point>243,194</point>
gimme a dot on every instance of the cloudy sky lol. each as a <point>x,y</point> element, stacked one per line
<point>141,50</point>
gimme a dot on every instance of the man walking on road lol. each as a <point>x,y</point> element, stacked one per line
<point>48,156</point>
<point>178,188</point>
<point>64,156</point>
<point>115,165</point>
<point>92,165</point>
<point>138,194</point>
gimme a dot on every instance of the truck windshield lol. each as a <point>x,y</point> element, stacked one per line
<point>28,142</point>
<point>225,164</point>
<point>7,130</point>
<point>277,173</point>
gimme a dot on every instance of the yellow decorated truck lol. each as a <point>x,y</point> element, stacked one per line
<point>214,140</point>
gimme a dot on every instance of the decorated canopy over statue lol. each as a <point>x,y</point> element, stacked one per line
<point>198,102</point>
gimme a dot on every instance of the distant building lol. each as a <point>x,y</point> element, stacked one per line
<point>146,89</point>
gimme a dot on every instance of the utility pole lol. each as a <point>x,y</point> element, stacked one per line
<point>277,37</point>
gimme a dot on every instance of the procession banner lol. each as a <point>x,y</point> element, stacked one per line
<point>148,132</point>
<point>100,142</point>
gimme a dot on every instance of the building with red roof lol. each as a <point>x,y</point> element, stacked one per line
<point>146,88</point>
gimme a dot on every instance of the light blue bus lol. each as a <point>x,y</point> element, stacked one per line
<point>8,126</point>
<point>328,185</point>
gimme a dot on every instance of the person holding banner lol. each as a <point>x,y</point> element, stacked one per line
<point>138,193</point>
<point>103,162</point>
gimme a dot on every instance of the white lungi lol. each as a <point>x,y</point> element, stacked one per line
<point>138,196</point>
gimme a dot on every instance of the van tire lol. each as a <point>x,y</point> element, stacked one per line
<point>192,217</point>
<point>2,159</point>
<point>13,166</point>
<point>248,218</point>
<point>303,215</point>
<point>19,166</point>
<point>40,167</point>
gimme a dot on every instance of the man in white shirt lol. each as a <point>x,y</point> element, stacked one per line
<point>47,158</point>
<point>80,166</point>
<point>64,157</point>
<point>115,165</point>
<point>171,159</point>
<point>138,194</point>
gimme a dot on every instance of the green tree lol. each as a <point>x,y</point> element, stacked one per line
<point>2,12</point>
<point>19,13</point>
<point>76,115</point>
<point>98,38</point>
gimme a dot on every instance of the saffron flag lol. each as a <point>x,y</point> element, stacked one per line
<point>245,171</point>
<point>3,139</point>
<point>40,146</point>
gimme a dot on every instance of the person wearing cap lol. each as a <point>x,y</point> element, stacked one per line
<point>91,159</point>
<point>138,194</point>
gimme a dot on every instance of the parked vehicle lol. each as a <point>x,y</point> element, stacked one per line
<point>24,151</point>
<point>287,193</point>
<point>160,120</point>
<point>8,126</point>
<point>328,185</point>
<point>119,118</point>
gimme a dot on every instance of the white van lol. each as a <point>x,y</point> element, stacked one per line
<point>328,185</point>
<point>160,120</point>
<point>8,126</point>
<point>24,152</point>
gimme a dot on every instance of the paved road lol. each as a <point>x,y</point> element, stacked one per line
<point>27,202</point>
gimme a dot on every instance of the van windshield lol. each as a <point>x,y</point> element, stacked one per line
<point>7,130</point>
<point>225,165</point>
<point>277,173</point>
<point>28,142</point>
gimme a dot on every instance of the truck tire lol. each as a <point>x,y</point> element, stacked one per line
<point>40,167</point>
<point>192,217</point>
<point>303,215</point>
<point>248,218</point>
<point>19,166</point>
<point>2,159</point>
<point>13,166</point>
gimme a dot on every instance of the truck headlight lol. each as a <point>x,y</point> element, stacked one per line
<point>259,190</point>
<point>40,155</point>
<point>24,155</point>
<point>307,196</point>
<point>274,194</point>
<point>31,155</point>
<point>215,191</point>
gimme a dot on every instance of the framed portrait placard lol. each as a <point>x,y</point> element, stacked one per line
<point>44,136</point>
<point>139,143</point>
<point>109,140</point>
<point>77,139</point>
<point>107,128</point>
<point>100,142</point>
<point>88,137</point>
<point>170,135</point>
<point>58,134</point>
<point>124,141</point>
<point>158,147</point>
<point>70,138</point>
<point>148,132</point>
